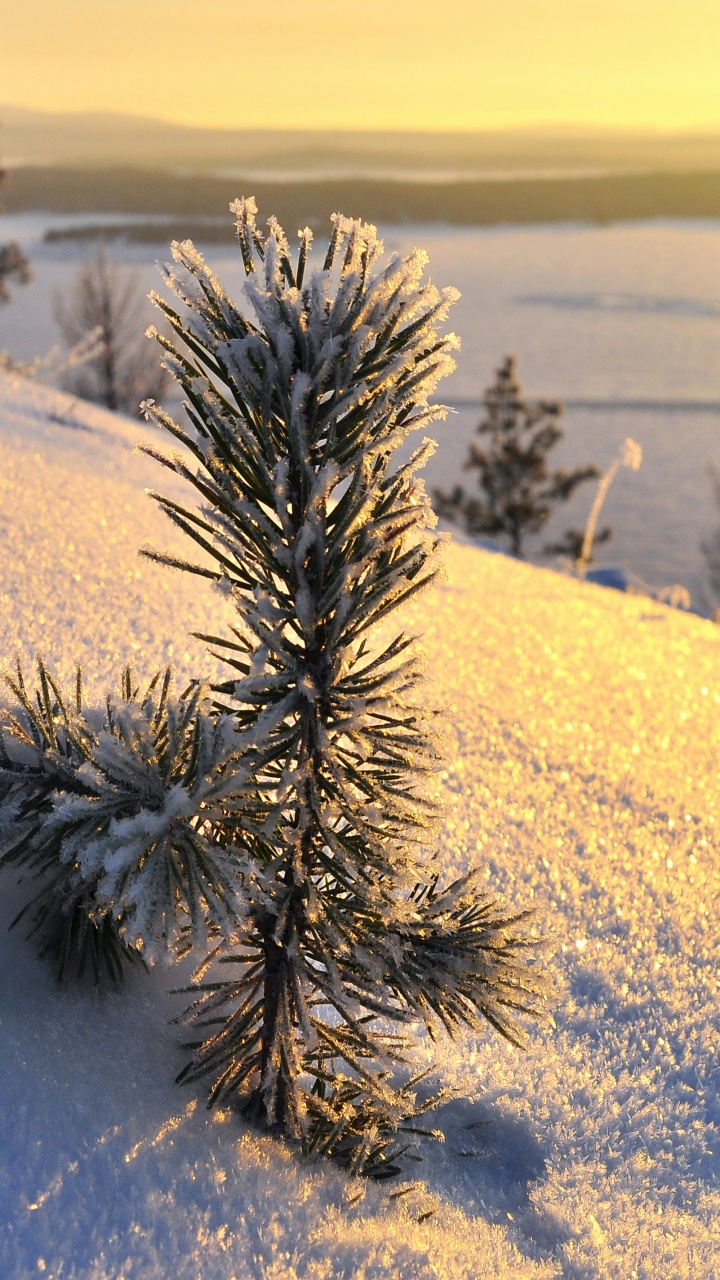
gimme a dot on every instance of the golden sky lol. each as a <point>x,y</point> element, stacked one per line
<point>427,64</point>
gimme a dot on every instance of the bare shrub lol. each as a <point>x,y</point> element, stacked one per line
<point>109,300</point>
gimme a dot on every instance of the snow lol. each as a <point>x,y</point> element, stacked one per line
<point>583,754</point>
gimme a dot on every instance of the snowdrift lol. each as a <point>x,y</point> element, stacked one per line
<point>583,753</point>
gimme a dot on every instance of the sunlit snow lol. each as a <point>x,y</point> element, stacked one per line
<point>583,763</point>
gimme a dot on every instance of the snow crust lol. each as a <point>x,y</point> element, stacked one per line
<point>583,763</point>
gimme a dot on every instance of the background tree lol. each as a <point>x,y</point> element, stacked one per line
<point>108,301</point>
<point>13,264</point>
<point>518,489</point>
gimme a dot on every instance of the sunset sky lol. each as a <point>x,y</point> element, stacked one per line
<point>453,64</point>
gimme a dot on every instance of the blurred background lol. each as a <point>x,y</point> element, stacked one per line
<point>559,162</point>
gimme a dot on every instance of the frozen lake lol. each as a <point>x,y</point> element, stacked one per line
<point>621,322</point>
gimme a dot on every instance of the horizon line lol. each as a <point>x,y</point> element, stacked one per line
<point>526,126</point>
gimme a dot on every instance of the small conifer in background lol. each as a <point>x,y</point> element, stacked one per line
<point>518,489</point>
<point>284,821</point>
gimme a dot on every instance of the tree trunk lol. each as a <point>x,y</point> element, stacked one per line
<point>276,995</point>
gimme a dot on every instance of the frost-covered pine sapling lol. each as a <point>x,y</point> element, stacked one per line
<point>297,402</point>
<point>518,491</point>
<point>116,815</point>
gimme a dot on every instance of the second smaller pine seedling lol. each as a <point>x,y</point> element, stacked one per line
<point>112,812</point>
<point>518,491</point>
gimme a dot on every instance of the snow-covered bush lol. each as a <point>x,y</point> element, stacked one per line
<point>115,811</point>
<point>103,311</point>
<point>303,789</point>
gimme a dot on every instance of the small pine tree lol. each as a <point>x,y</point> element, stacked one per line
<point>307,814</point>
<point>518,489</point>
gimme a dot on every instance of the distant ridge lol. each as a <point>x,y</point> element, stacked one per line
<point>197,202</point>
<point>104,139</point>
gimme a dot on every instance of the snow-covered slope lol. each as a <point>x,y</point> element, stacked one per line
<point>583,732</point>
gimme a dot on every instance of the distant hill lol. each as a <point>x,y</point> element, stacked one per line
<point>102,139</point>
<point>197,205</point>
